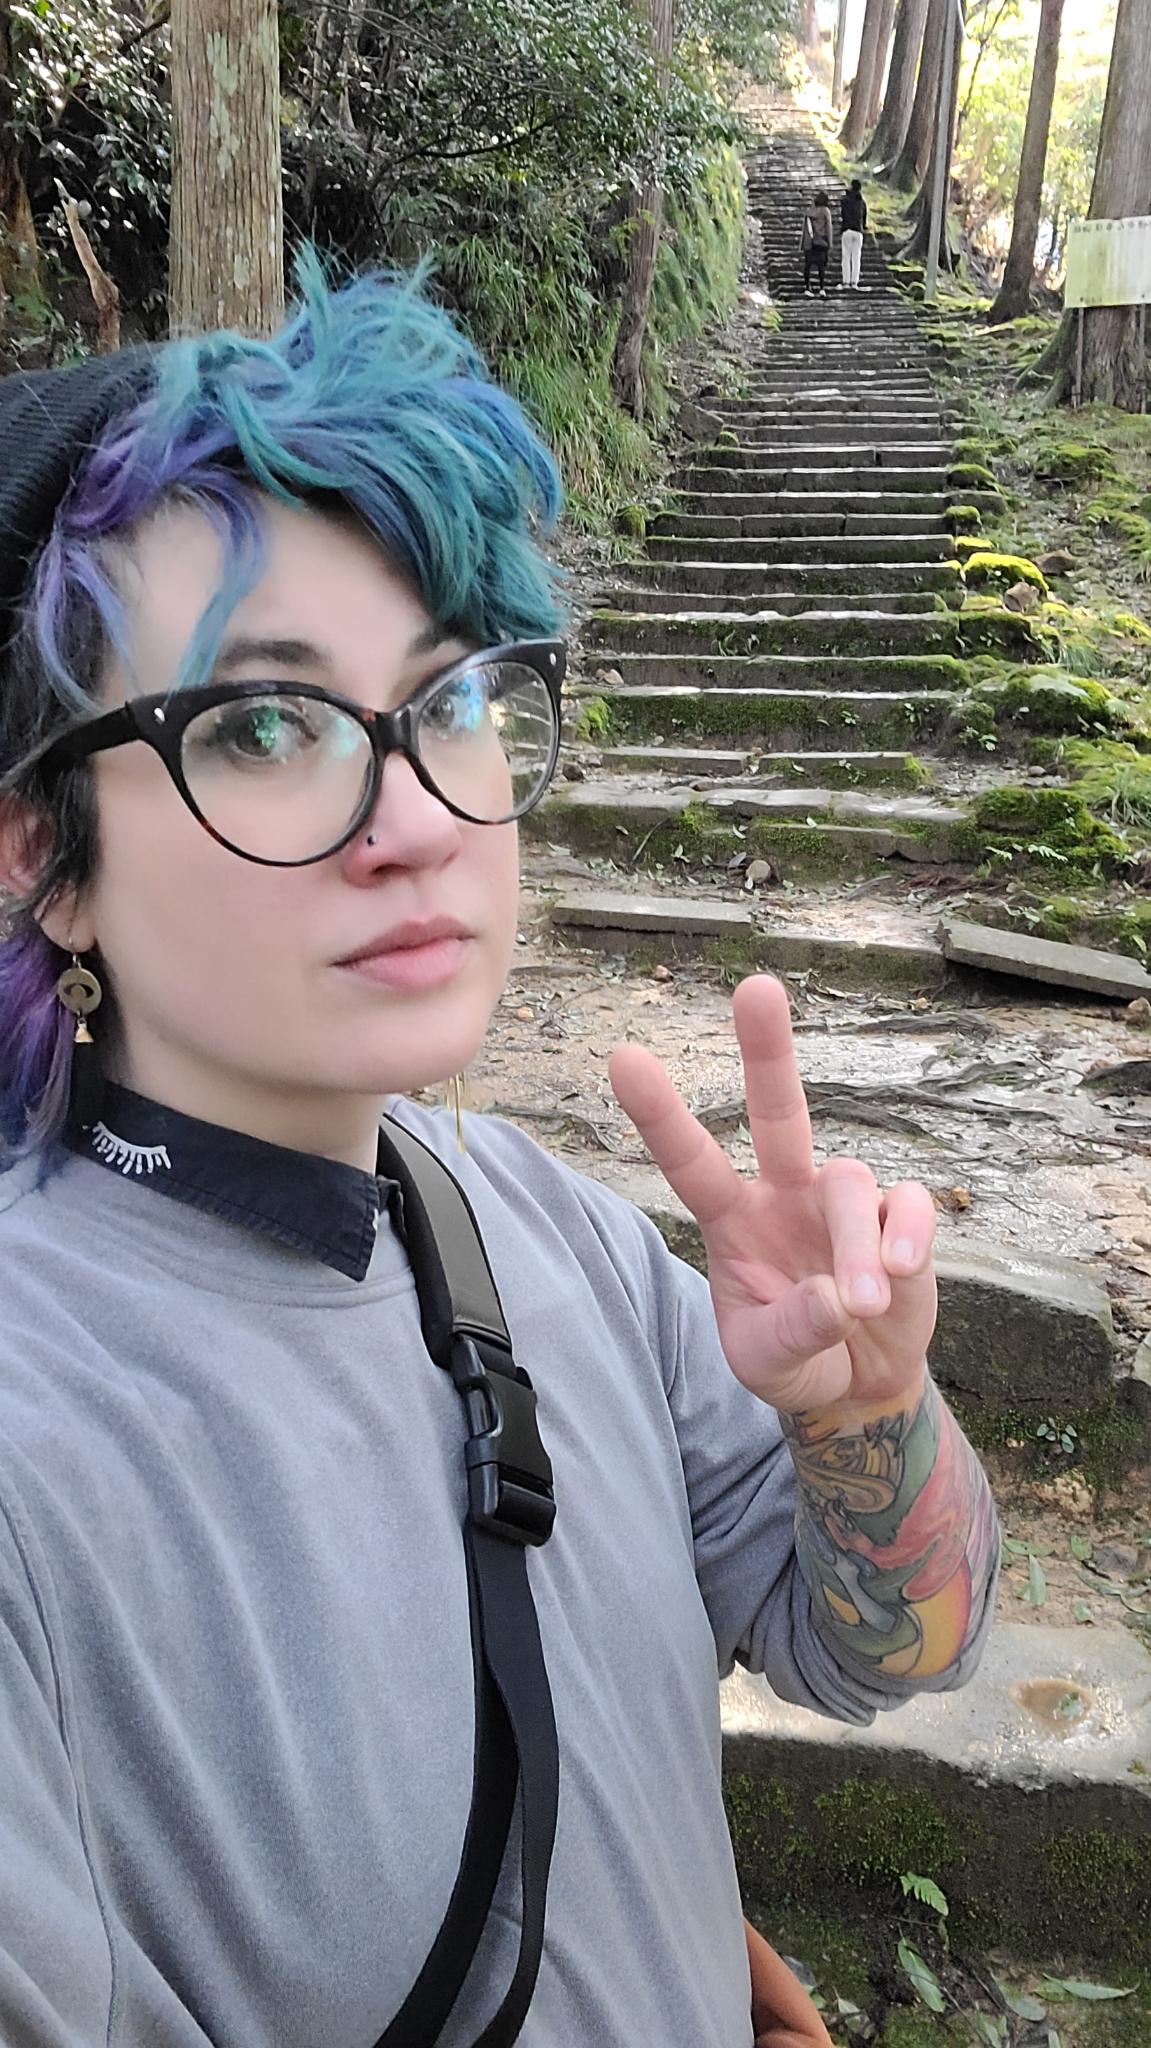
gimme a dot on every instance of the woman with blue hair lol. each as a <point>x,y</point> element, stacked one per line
<point>345,1700</point>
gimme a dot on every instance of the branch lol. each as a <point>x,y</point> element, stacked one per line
<point>104,291</point>
<point>160,16</point>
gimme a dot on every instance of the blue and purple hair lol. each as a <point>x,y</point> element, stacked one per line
<point>369,395</point>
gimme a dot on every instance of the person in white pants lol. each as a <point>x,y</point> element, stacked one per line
<point>853,220</point>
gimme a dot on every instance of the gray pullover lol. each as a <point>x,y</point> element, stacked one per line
<point>236,1692</point>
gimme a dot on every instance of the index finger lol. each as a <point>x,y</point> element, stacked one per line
<point>688,1157</point>
<point>777,1114</point>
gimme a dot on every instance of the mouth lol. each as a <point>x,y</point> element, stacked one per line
<point>413,955</point>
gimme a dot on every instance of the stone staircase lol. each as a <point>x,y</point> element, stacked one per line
<point>779,665</point>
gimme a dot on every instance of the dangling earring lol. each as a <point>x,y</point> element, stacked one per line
<point>80,992</point>
<point>455,1100</point>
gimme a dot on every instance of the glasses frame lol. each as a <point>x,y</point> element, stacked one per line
<point>161,722</point>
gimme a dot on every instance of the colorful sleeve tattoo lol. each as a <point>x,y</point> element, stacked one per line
<point>896,1534</point>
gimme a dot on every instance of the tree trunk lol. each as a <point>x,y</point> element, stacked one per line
<point>1014,294</point>
<point>854,130</point>
<point>1114,364</point>
<point>809,25</point>
<point>643,245</point>
<point>879,71</point>
<point>19,249</point>
<point>907,169</point>
<point>837,62</point>
<point>895,114</point>
<point>919,243</point>
<point>227,235</point>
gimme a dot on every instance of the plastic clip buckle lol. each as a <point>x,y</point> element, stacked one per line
<point>509,1471</point>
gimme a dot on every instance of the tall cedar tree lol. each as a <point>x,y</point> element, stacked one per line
<point>853,133</point>
<point>643,244</point>
<point>1114,365</point>
<point>879,68</point>
<point>19,252</point>
<point>227,234</point>
<point>1014,294</point>
<point>919,242</point>
<point>906,170</point>
<point>895,113</point>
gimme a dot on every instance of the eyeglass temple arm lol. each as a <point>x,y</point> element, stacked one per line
<point>96,736</point>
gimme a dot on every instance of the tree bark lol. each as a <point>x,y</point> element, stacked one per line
<point>879,71</point>
<point>643,244</point>
<point>837,60</point>
<point>1014,294</point>
<point>1114,365</point>
<point>19,249</point>
<point>854,130</point>
<point>919,242</point>
<point>808,25</point>
<point>227,234</point>
<point>907,168</point>
<point>895,113</point>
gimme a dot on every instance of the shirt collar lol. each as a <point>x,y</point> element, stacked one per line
<point>312,1205</point>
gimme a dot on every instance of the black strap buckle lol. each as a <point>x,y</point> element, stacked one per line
<point>509,1471</point>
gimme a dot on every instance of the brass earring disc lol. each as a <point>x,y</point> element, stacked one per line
<point>79,991</point>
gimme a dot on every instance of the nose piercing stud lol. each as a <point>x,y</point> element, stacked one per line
<point>371,838</point>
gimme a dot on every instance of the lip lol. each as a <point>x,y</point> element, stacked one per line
<point>407,937</point>
<point>415,955</point>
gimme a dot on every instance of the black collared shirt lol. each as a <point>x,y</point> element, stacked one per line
<point>317,1206</point>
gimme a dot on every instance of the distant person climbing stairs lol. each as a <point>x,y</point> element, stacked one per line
<point>852,222</point>
<point>816,246</point>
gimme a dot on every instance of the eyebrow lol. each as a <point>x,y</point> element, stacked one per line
<point>306,654</point>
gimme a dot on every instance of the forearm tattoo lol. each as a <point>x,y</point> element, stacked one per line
<point>896,1534</point>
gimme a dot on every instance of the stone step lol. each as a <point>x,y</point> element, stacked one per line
<point>875,480</point>
<point>808,512</point>
<point>667,928</point>
<point>910,719</point>
<point>761,463</point>
<point>852,769</point>
<point>680,764</point>
<point>806,832</point>
<point>858,538</point>
<point>786,603</point>
<point>840,578</point>
<point>731,634</point>
<point>857,433</point>
<point>788,671</point>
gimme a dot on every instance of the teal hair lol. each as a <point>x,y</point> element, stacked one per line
<point>369,395</point>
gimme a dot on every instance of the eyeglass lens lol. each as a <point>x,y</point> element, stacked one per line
<point>283,777</point>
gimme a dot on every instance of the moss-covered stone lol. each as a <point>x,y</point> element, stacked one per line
<point>748,716</point>
<point>971,476</point>
<point>964,519</point>
<point>984,566</point>
<point>1075,462</point>
<point>632,521</point>
<point>1047,699</point>
<point>1039,828</point>
<point>988,628</point>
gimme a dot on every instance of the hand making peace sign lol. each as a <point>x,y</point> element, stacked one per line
<point>822,1285</point>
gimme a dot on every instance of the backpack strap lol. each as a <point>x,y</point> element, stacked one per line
<point>511,1508</point>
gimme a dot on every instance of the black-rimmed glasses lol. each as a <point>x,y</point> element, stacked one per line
<point>286,773</point>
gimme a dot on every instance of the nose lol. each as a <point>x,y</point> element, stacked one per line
<point>408,827</point>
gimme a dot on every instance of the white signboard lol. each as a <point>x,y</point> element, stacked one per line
<point>1109,262</point>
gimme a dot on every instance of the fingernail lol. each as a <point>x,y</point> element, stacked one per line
<point>864,1290</point>
<point>903,1251</point>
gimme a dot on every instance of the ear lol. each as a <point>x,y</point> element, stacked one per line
<point>25,848</point>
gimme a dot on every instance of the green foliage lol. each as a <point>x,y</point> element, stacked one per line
<point>1043,828</point>
<point>1114,779</point>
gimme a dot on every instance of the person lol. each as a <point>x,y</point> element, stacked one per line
<point>282,671</point>
<point>816,246</point>
<point>853,221</point>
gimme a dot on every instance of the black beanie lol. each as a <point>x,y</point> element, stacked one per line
<point>49,420</point>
